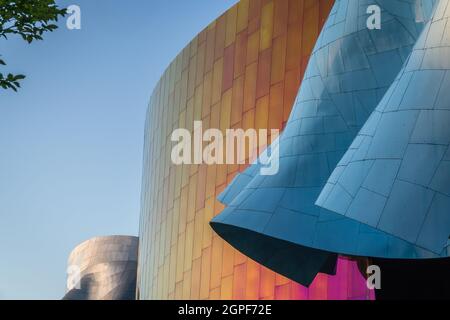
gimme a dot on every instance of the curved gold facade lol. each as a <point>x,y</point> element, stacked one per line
<point>242,71</point>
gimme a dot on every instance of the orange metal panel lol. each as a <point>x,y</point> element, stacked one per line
<point>240,54</point>
<point>198,101</point>
<point>210,181</point>
<point>198,234</point>
<point>201,187</point>
<point>239,258</point>
<point>216,262</point>
<point>293,52</point>
<point>250,86</point>
<point>180,258</point>
<point>172,269</point>
<point>187,285</point>
<point>242,17</point>
<point>263,80</point>
<point>225,111</point>
<point>319,288</point>
<point>210,46</point>
<point>276,106</point>
<point>208,214</point>
<point>262,113</point>
<point>230,33</point>
<point>283,292</point>
<point>267,283</point>
<point>291,84</point>
<point>188,246</point>
<point>252,47</point>
<point>195,279</point>
<point>217,81</point>
<point>253,280</point>
<point>192,76</point>
<point>183,209</point>
<point>228,68</point>
<point>207,94</point>
<point>280,20</point>
<point>179,291</point>
<point>278,59</point>
<point>215,294</point>
<point>237,100</point>
<point>228,260</point>
<point>254,15</point>
<point>310,34</point>
<point>220,36</point>
<point>267,16</point>
<point>239,276</point>
<point>226,291</point>
<point>242,71</point>
<point>205,273</point>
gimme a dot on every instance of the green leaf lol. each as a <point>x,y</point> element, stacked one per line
<point>29,20</point>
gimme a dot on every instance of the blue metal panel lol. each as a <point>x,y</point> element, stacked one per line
<point>413,129</point>
<point>350,71</point>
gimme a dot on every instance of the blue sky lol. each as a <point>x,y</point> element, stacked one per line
<point>71,139</point>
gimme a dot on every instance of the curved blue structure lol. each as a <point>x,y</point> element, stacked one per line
<point>396,175</point>
<point>274,219</point>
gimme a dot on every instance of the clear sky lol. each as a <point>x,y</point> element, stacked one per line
<point>71,139</point>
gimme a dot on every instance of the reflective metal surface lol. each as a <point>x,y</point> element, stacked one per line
<point>241,71</point>
<point>396,175</point>
<point>103,268</point>
<point>349,72</point>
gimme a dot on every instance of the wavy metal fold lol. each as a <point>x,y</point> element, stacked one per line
<point>396,175</point>
<point>274,219</point>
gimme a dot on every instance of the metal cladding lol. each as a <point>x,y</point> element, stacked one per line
<point>241,72</point>
<point>395,177</point>
<point>349,72</point>
<point>103,268</point>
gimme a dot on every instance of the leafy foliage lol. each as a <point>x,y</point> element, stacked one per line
<point>29,19</point>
